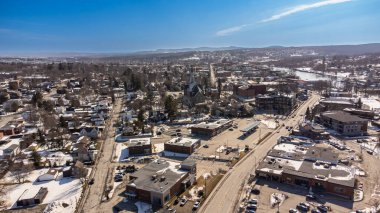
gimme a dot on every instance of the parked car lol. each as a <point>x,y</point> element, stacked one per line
<point>118,178</point>
<point>311,197</point>
<point>205,146</point>
<point>323,208</point>
<point>91,181</point>
<point>196,205</point>
<point>370,152</point>
<point>293,211</point>
<point>302,207</point>
<point>176,201</point>
<point>252,201</point>
<point>315,211</point>
<point>251,207</point>
<point>305,204</point>
<point>183,201</point>
<point>255,191</point>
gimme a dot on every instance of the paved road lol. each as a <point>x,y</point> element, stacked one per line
<point>94,197</point>
<point>226,193</point>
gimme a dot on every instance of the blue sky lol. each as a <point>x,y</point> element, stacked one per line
<point>134,25</point>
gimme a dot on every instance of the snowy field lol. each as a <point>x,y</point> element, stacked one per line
<point>61,192</point>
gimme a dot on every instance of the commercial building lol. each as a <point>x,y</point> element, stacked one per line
<point>211,129</point>
<point>330,104</point>
<point>249,91</point>
<point>280,104</point>
<point>159,181</point>
<point>344,123</point>
<point>312,131</point>
<point>363,113</point>
<point>313,167</point>
<point>139,146</point>
<point>182,145</point>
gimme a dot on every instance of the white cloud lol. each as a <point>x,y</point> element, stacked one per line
<point>288,12</point>
<point>303,7</point>
<point>231,30</point>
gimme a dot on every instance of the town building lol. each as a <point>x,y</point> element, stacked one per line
<point>330,104</point>
<point>193,92</point>
<point>139,146</point>
<point>311,130</point>
<point>182,145</point>
<point>278,103</point>
<point>211,129</point>
<point>248,91</point>
<point>159,181</point>
<point>343,123</point>
<point>315,168</point>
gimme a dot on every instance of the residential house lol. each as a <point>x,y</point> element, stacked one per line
<point>51,174</point>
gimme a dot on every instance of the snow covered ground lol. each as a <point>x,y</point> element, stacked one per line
<point>371,146</point>
<point>121,152</point>
<point>159,147</point>
<point>61,192</point>
<point>271,124</point>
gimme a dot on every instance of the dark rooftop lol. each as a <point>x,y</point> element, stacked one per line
<point>342,116</point>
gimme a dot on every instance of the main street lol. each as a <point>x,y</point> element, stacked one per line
<point>226,193</point>
<point>93,197</point>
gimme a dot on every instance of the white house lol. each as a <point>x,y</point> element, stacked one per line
<point>52,174</point>
<point>92,132</point>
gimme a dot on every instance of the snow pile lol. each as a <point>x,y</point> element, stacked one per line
<point>159,147</point>
<point>277,199</point>
<point>194,193</point>
<point>206,175</point>
<point>60,206</point>
<point>143,207</point>
<point>271,124</point>
<point>121,152</point>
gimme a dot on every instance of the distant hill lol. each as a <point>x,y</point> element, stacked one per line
<point>210,49</point>
<point>324,50</point>
<point>347,49</point>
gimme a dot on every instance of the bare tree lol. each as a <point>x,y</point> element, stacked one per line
<point>20,171</point>
<point>3,199</point>
<point>81,174</point>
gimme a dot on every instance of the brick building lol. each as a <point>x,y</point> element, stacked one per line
<point>211,129</point>
<point>159,181</point>
<point>140,146</point>
<point>182,145</point>
<point>280,103</point>
<point>249,91</point>
<point>344,123</point>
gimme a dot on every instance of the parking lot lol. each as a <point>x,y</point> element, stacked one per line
<point>295,195</point>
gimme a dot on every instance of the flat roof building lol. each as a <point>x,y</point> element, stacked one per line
<point>211,129</point>
<point>140,146</point>
<point>312,167</point>
<point>182,145</point>
<point>344,123</point>
<point>157,182</point>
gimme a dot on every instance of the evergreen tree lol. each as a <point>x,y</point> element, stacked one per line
<point>308,114</point>
<point>359,103</point>
<point>170,106</point>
